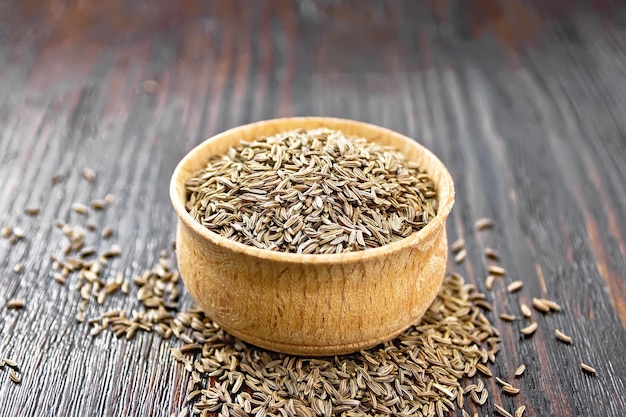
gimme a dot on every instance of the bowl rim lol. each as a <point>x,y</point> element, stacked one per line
<point>288,257</point>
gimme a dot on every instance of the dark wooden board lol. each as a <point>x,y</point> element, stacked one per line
<point>524,101</point>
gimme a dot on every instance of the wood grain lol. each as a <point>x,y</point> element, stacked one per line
<point>523,101</point>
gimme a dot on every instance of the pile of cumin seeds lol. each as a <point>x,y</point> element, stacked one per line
<point>312,192</point>
<point>420,373</point>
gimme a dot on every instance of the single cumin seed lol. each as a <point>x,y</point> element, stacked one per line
<point>484,223</point>
<point>32,211</point>
<point>515,286</point>
<point>491,254</point>
<point>458,244</point>
<point>520,411</point>
<point>496,270</point>
<point>460,257</point>
<point>540,305</point>
<point>588,368</point>
<point>490,281</point>
<point>88,174</point>
<point>14,376</point>
<point>80,208</point>
<point>508,317</point>
<point>525,310</point>
<point>15,305</point>
<point>562,336</point>
<point>500,410</point>
<point>520,370</point>
<point>529,330</point>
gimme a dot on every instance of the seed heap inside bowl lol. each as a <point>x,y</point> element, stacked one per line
<point>312,192</point>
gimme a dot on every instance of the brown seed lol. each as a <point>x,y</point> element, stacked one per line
<point>520,411</point>
<point>562,336</point>
<point>113,251</point>
<point>15,305</point>
<point>14,376</point>
<point>515,286</point>
<point>32,211</point>
<point>88,174</point>
<point>508,317</point>
<point>484,223</point>
<point>551,304</point>
<point>491,254</point>
<point>496,270</point>
<point>57,179</point>
<point>587,368</point>
<point>98,204</point>
<point>502,382</point>
<point>520,370</point>
<point>19,233</point>
<point>500,410</point>
<point>529,330</point>
<point>10,363</point>
<point>458,244</point>
<point>150,87</point>
<point>80,208</point>
<point>509,389</point>
<point>460,257</point>
<point>483,369</point>
<point>107,232</point>
<point>540,305</point>
<point>6,232</point>
<point>525,310</point>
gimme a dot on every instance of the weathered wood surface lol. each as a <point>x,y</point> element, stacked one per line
<point>524,101</point>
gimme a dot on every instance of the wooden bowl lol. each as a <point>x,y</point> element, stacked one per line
<point>313,305</point>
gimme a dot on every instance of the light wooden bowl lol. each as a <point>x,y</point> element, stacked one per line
<point>313,305</point>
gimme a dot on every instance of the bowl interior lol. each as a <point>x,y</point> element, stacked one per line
<point>218,145</point>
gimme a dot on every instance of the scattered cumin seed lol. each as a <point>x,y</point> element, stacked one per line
<point>460,257</point>
<point>484,223</point>
<point>489,282</point>
<point>500,410</point>
<point>510,389</point>
<point>508,317</point>
<point>18,267</point>
<point>540,305</point>
<point>88,174</point>
<point>107,232</point>
<point>529,330</point>
<point>515,286</point>
<point>19,233</point>
<point>150,87</point>
<point>491,254</point>
<point>496,270</point>
<point>98,204</point>
<point>10,363</point>
<point>15,305</point>
<point>483,369</point>
<point>520,411</point>
<point>520,370</point>
<point>562,336</point>
<point>32,211</point>
<point>80,208</point>
<point>14,376</point>
<point>458,244</point>
<point>551,304</point>
<point>109,199</point>
<point>502,382</point>
<point>525,310</point>
<point>6,232</point>
<point>587,368</point>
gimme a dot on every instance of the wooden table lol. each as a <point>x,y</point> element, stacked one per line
<point>524,101</point>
